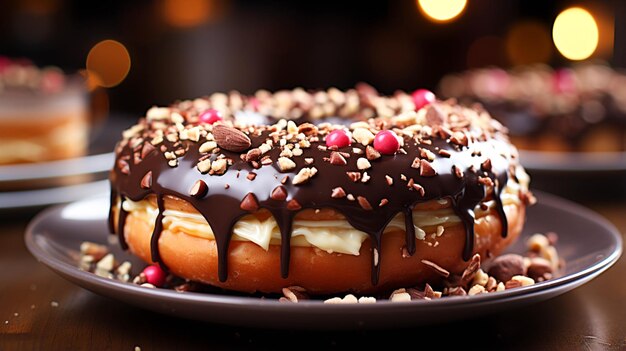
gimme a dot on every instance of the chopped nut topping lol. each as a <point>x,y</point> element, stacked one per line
<point>354,176</point>
<point>199,189</point>
<point>389,180</point>
<point>371,153</point>
<point>285,164</point>
<point>337,159</point>
<point>364,203</point>
<point>437,268</point>
<point>204,166</point>
<point>363,163</point>
<point>219,166</point>
<point>338,193</point>
<point>363,136</point>
<point>304,175</point>
<point>426,169</point>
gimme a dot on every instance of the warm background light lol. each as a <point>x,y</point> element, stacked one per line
<point>186,13</point>
<point>441,10</point>
<point>108,63</point>
<point>575,33</point>
<point>528,42</point>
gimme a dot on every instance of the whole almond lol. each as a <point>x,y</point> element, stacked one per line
<point>231,139</point>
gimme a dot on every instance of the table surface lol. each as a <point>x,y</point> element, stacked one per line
<point>41,311</point>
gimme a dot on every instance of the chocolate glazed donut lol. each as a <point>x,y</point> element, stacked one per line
<point>227,170</point>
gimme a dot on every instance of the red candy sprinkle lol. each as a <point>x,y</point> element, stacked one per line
<point>337,138</point>
<point>386,142</point>
<point>210,116</point>
<point>422,97</point>
<point>154,275</point>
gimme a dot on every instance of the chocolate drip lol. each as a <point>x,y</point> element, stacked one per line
<point>410,230</point>
<point>497,192</point>
<point>121,222</point>
<point>284,219</point>
<point>156,234</point>
<point>221,206</point>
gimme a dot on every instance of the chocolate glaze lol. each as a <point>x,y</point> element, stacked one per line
<point>221,206</point>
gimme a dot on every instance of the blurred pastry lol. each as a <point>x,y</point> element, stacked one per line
<point>43,114</point>
<point>577,109</point>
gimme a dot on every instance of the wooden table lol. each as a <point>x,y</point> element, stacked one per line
<point>41,311</point>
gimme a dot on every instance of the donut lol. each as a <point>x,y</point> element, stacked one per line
<point>336,191</point>
<point>575,109</point>
<point>43,115</point>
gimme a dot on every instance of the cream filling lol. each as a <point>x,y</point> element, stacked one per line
<point>327,235</point>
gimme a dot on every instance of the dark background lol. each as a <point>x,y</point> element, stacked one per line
<point>248,45</point>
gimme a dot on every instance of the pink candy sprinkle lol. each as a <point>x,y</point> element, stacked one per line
<point>386,142</point>
<point>338,138</point>
<point>422,97</point>
<point>155,275</point>
<point>210,116</point>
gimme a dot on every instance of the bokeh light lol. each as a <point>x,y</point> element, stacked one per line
<point>575,33</point>
<point>528,42</point>
<point>441,10</point>
<point>186,13</point>
<point>108,63</point>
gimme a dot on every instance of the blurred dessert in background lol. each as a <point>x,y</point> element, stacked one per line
<point>43,113</point>
<point>577,109</point>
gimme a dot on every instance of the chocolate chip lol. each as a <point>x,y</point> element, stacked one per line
<point>457,172</point>
<point>486,166</point>
<point>199,189</point>
<point>338,193</point>
<point>426,169</point>
<point>504,267</point>
<point>147,149</point>
<point>146,181</point>
<point>279,193</point>
<point>364,203</point>
<point>293,205</point>
<point>249,203</point>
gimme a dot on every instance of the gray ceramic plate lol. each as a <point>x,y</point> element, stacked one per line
<point>587,242</point>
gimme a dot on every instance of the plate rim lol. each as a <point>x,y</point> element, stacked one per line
<point>568,161</point>
<point>89,164</point>
<point>207,299</point>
